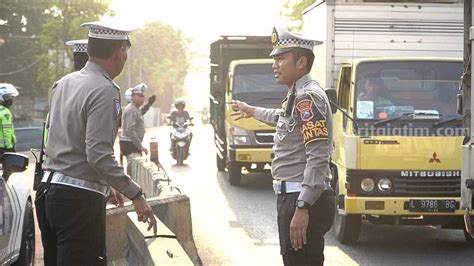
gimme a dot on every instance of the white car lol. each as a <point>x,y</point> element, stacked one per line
<point>17,229</point>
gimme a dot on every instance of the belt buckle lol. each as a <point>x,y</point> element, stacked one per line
<point>277,187</point>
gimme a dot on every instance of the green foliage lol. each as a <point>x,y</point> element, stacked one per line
<point>159,58</point>
<point>62,24</point>
<point>293,11</point>
<point>20,25</point>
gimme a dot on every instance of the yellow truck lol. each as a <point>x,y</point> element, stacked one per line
<point>465,103</point>
<point>242,70</point>
<point>395,69</point>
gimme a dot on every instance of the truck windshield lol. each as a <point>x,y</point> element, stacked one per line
<point>385,90</point>
<point>256,84</point>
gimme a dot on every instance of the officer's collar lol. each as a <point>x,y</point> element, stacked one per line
<point>301,82</point>
<point>94,67</point>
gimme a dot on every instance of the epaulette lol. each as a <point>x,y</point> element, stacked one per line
<point>113,82</point>
<point>55,84</point>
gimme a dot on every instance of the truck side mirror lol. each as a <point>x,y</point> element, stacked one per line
<point>217,90</point>
<point>332,96</point>
<point>13,163</point>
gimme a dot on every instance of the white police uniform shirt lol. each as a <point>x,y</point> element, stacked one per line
<point>133,126</point>
<point>83,122</point>
<point>303,141</point>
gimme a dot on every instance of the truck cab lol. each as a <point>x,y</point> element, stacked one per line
<point>241,69</point>
<point>249,142</point>
<point>397,158</point>
<point>396,67</point>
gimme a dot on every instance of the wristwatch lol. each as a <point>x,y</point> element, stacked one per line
<point>301,204</point>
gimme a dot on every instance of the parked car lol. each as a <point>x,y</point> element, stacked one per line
<point>17,229</point>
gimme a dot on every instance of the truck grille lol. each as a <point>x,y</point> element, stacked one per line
<point>416,183</point>
<point>264,137</point>
<point>427,186</point>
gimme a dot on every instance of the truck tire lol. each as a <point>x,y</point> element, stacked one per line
<point>467,236</point>
<point>220,163</point>
<point>346,227</point>
<point>235,174</point>
<point>27,250</point>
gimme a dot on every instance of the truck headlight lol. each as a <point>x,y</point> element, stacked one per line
<point>367,184</point>
<point>385,185</point>
<point>238,136</point>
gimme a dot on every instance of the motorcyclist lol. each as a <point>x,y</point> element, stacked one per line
<point>180,116</point>
<point>205,115</point>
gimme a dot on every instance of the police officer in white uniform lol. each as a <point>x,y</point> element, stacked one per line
<point>133,126</point>
<point>79,53</point>
<point>302,149</point>
<point>80,166</point>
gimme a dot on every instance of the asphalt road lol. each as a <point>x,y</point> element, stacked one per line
<point>237,225</point>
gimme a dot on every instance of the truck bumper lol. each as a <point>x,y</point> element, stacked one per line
<point>390,206</point>
<point>251,155</point>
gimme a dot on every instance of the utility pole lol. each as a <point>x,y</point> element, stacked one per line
<point>129,60</point>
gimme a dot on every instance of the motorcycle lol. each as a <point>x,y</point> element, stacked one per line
<point>205,118</point>
<point>181,139</point>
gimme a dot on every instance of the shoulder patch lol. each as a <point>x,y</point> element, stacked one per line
<point>117,106</point>
<point>305,108</point>
<point>7,116</point>
<point>313,125</point>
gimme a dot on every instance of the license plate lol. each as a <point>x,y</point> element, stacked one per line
<point>432,206</point>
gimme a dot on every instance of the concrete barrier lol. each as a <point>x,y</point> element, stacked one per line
<point>151,178</point>
<point>129,242</point>
<point>172,208</point>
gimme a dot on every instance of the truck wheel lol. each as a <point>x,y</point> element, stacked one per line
<point>220,163</point>
<point>235,174</point>
<point>467,236</point>
<point>27,250</point>
<point>346,227</point>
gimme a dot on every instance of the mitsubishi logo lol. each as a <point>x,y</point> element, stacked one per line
<point>435,158</point>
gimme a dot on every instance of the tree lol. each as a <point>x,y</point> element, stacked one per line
<point>293,11</point>
<point>20,25</point>
<point>63,23</point>
<point>158,57</point>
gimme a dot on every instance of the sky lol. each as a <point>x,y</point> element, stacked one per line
<point>204,21</point>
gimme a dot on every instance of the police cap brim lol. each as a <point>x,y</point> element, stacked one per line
<point>278,51</point>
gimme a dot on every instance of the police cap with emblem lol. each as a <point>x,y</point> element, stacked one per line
<point>80,56</point>
<point>79,46</point>
<point>110,29</point>
<point>139,89</point>
<point>284,41</point>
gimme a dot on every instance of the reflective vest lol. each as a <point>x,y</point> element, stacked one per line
<point>7,134</point>
<point>46,130</point>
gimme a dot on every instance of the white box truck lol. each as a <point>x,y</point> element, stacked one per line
<point>395,66</point>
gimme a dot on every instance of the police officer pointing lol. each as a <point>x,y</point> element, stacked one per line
<point>302,149</point>
<point>80,166</point>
